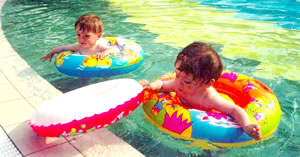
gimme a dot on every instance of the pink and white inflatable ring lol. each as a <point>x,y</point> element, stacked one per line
<point>87,108</point>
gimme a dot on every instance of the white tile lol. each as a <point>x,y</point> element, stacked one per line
<point>63,150</point>
<point>15,111</point>
<point>6,49</point>
<point>103,142</point>
<point>16,69</point>
<point>8,93</point>
<point>28,141</point>
<point>36,90</point>
<point>7,148</point>
<point>3,80</point>
<point>1,3</point>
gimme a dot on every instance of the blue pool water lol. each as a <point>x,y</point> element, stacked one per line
<point>285,13</point>
<point>260,39</point>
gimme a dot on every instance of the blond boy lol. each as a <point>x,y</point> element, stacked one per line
<point>89,30</point>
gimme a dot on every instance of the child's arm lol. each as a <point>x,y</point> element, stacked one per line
<point>239,114</point>
<point>56,50</point>
<point>158,85</point>
<point>107,50</point>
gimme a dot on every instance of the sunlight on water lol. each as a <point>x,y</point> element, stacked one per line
<point>182,22</point>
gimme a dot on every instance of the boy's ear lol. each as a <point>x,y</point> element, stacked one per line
<point>100,35</point>
<point>212,82</point>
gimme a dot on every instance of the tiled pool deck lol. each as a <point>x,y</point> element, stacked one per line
<point>21,91</point>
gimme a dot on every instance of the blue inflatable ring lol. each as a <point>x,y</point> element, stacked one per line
<point>131,56</point>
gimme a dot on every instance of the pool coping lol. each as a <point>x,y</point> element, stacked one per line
<point>22,90</point>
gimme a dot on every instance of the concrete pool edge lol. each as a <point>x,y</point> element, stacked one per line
<point>22,90</point>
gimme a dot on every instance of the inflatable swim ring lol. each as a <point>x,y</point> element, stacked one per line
<point>165,111</point>
<point>87,108</point>
<point>131,56</point>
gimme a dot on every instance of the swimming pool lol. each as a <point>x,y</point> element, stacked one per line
<point>259,39</point>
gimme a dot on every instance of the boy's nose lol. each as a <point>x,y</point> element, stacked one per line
<point>181,83</point>
<point>79,38</point>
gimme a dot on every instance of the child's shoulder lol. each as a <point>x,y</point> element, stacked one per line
<point>211,96</point>
<point>76,48</point>
<point>102,43</point>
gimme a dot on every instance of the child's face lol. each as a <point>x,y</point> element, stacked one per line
<point>185,84</point>
<point>87,39</point>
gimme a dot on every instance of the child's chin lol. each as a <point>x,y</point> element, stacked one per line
<point>84,45</point>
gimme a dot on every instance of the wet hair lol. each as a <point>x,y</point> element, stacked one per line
<point>201,61</point>
<point>89,22</point>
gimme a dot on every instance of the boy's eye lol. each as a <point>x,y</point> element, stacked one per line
<point>187,82</point>
<point>177,72</point>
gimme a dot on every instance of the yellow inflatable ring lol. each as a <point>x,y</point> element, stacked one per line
<point>165,111</point>
<point>130,57</point>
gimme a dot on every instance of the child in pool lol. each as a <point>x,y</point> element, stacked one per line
<point>198,66</point>
<point>89,30</point>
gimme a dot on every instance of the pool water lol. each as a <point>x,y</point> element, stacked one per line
<point>260,39</point>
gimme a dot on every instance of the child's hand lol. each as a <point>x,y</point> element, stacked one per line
<point>253,130</point>
<point>156,85</point>
<point>102,55</point>
<point>48,56</point>
<point>144,83</point>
